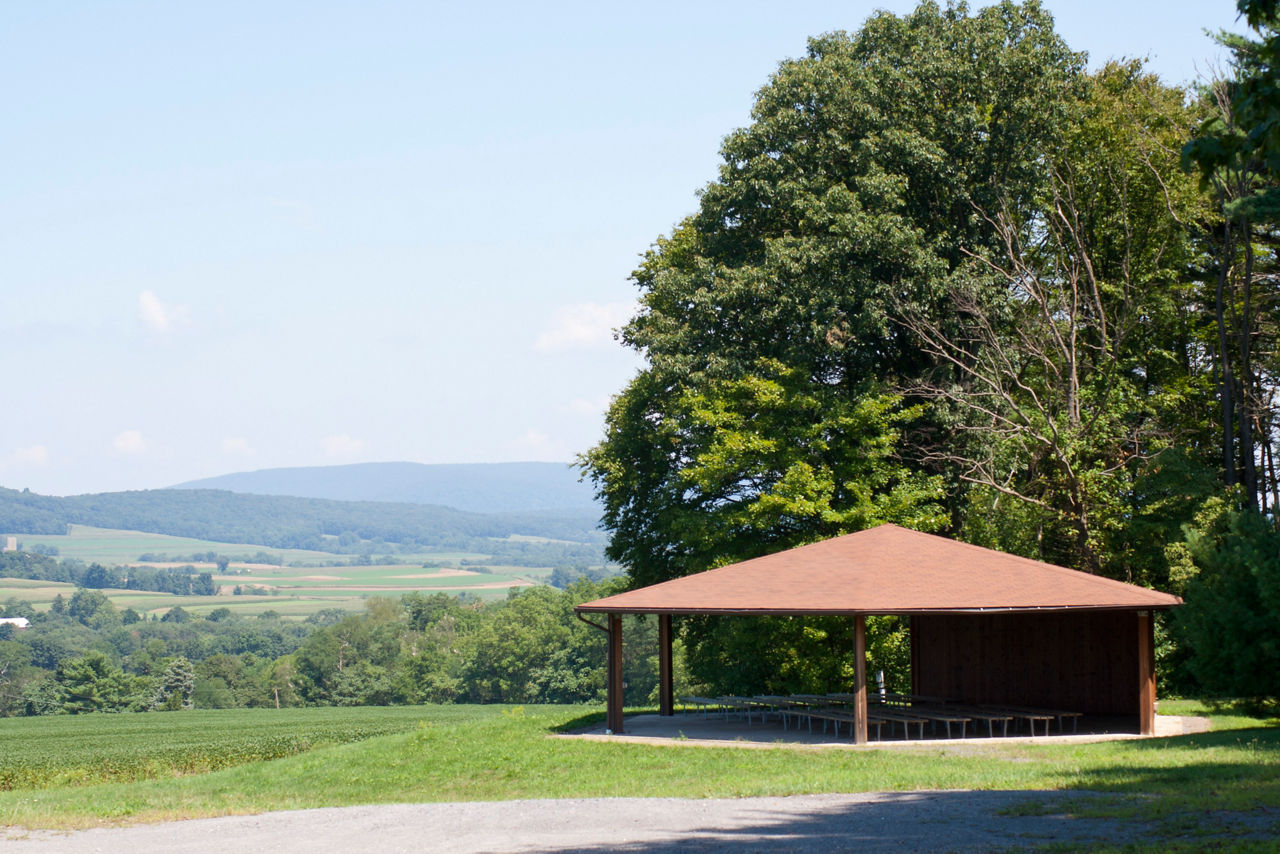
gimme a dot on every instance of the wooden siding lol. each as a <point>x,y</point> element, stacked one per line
<point>1082,661</point>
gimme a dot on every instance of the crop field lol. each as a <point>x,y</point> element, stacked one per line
<point>301,587</point>
<point>53,752</point>
<point>288,591</point>
<point>112,547</point>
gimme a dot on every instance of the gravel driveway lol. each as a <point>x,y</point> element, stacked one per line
<point>866,823</point>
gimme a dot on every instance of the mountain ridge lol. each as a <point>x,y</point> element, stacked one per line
<point>522,487</point>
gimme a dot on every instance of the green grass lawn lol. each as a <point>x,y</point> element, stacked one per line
<point>456,753</point>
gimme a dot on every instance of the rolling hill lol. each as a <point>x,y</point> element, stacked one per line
<point>475,487</point>
<point>288,522</point>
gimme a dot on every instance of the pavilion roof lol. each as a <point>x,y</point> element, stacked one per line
<point>884,570</point>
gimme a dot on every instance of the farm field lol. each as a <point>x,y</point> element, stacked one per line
<point>289,591</point>
<point>461,753</point>
<point>115,547</point>
<point>299,588</point>
<point>84,749</point>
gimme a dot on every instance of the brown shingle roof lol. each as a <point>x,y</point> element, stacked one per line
<point>883,570</point>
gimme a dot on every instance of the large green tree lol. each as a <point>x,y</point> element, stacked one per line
<point>1231,622</point>
<point>1072,353</point>
<point>769,414</point>
<point>1237,152</point>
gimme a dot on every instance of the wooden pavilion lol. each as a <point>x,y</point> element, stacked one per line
<point>986,627</point>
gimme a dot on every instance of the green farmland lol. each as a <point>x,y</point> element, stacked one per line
<point>114,547</point>
<point>307,582</point>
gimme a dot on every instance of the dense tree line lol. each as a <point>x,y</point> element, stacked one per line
<point>181,581</point>
<point>86,655</point>
<point>949,278</point>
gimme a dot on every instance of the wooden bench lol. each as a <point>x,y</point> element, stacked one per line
<point>991,717</point>
<point>1057,714</point>
<point>938,715</point>
<point>839,716</point>
<point>705,703</point>
<point>743,705</point>
<point>1031,716</point>
<point>891,715</point>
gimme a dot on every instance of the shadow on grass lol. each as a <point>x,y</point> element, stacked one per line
<point>1232,770</point>
<point>1254,708</point>
<point>580,722</point>
<point>590,719</point>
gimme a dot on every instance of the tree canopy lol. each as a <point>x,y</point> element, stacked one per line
<point>949,278</point>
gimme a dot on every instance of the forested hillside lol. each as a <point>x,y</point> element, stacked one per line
<point>85,655</point>
<point>286,522</point>
<point>477,487</point>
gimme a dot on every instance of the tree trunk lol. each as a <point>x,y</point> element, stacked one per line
<point>1225,381</point>
<point>1248,468</point>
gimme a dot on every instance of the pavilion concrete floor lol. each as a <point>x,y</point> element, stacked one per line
<point>712,730</point>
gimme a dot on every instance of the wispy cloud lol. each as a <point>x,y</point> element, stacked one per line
<point>131,442</point>
<point>159,316</point>
<point>32,457</point>
<point>342,445</point>
<point>237,446</point>
<point>587,324</point>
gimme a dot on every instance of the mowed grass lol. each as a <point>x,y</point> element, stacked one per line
<point>455,753</point>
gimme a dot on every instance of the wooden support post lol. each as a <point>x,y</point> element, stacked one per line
<point>1146,673</point>
<point>912,622</point>
<point>613,710</point>
<point>860,679</point>
<point>666,702</point>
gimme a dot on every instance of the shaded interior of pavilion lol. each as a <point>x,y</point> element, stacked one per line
<point>1001,646</point>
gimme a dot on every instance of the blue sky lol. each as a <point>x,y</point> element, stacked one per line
<point>245,235</point>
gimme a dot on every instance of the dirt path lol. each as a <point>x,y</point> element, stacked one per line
<point>959,821</point>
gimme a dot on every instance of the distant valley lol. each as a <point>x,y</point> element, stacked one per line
<point>534,514</point>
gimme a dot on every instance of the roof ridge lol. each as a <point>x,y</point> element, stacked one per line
<point>893,570</point>
<point>1042,563</point>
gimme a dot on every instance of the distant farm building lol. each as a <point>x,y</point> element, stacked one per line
<point>16,622</point>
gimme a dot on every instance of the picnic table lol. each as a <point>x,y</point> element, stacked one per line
<point>984,713</point>
<point>909,714</point>
<point>888,708</point>
<point>723,705</point>
<point>1032,715</point>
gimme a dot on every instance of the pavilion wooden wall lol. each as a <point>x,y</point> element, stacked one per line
<point>1082,661</point>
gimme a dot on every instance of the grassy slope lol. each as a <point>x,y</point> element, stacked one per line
<point>490,753</point>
